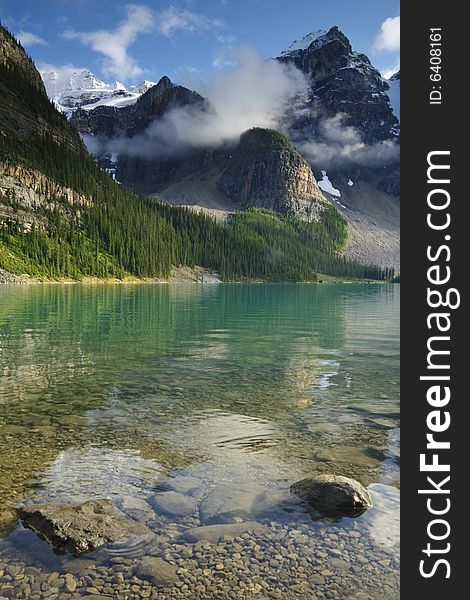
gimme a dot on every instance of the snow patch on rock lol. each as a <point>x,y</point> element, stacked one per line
<point>326,185</point>
<point>394,94</point>
<point>306,41</point>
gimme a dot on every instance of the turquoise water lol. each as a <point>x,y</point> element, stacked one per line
<point>107,391</point>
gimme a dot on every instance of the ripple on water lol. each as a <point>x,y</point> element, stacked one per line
<point>96,472</point>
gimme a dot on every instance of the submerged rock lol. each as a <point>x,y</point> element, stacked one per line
<point>157,571</point>
<point>81,528</point>
<point>185,484</point>
<point>333,493</point>
<point>213,533</point>
<point>174,504</point>
<point>226,504</point>
<point>347,454</point>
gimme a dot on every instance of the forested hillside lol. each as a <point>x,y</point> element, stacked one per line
<point>61,216</point>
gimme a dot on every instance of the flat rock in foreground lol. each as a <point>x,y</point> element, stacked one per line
<point>333,493</point>
<point>81,528</point>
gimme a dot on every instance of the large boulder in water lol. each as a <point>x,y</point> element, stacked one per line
<point>333,494</point>
<point>83,527</point>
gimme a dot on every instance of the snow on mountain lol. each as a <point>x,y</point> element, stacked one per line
<point>141,88</point>
<point>70,89</point>
<point>306,41</point>
<point>394,93</point>
<point>326,185</point>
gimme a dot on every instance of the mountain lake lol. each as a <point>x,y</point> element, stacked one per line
<point>198,405</point>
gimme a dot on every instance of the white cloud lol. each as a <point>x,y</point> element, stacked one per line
<point>172,19</point>
<point>255,92</point>
<point>29,39</point>
<point>224,58</point>
<point>114,45</point>
<point>226,38</point>
<point>388,38</point>
<point>336,143</point>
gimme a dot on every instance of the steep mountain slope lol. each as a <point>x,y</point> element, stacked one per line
<point>349,124</point>
<point>35,115</point>
<point>394,93</point>
<point>62,216</point>
<point>263,170</point>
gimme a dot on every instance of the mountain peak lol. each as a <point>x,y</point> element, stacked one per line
<point>71,89</point>
<point>266,171</point>
<point>164,83</point>
<point>143,87</point>
<point>315,40</point>
<point>304,42</point>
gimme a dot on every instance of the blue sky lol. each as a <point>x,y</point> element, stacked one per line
<point>132,41</point>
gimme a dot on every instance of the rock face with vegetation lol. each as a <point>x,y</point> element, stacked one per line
<point>81,528</point>
<point>333,494</point>
<point>35,114</point>
<point>267,171</point>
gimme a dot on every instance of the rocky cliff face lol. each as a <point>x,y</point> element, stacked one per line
<point>265,170</point>
<point>130,120</point>
<point>27,196</point>
<point>341,81</point>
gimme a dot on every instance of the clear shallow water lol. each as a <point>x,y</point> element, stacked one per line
<point>123,391</point>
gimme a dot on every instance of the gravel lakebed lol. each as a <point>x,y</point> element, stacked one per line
<point>287,552</point>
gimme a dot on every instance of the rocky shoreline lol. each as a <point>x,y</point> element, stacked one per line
<point>270,558</point>
<point>178,275</point>
<point>287,562</point>
<point>6,277</point>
